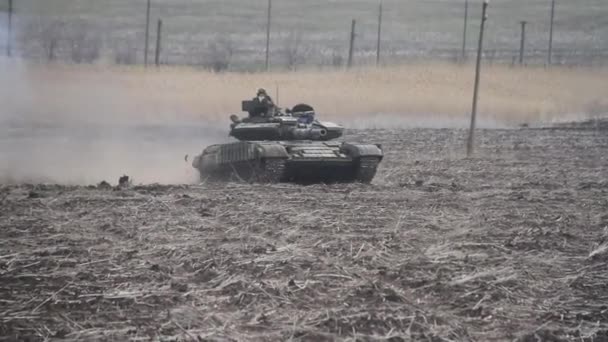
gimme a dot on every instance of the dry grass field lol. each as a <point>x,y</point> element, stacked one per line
<point>414,94</point>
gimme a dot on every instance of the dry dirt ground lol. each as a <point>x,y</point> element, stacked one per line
<point>509,245</point>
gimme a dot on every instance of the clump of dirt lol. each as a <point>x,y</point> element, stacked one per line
<point>595,124</point>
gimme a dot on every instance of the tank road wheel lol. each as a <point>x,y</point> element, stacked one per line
<point>366,169</point>
<point>271,170</point>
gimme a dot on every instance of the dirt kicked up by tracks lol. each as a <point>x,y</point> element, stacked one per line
<point>509,245</point>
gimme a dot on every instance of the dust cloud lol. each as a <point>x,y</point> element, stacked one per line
<point>42,146</point>
<point>435,121</point>
<point>87,154</point>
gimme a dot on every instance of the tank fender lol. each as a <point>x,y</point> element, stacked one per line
<point>207,158</point>
<point>196,162</point>
<point>271,151</point>
<point>362,150</point>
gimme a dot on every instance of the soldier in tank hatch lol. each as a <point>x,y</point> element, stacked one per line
<point>262,104</point>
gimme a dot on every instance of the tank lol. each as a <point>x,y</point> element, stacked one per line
<point>291,146</point>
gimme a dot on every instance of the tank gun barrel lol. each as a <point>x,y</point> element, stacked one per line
<point>308,133</point>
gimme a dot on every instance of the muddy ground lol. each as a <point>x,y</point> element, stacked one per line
<point>511,244</point>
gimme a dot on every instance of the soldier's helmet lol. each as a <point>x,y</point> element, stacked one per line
<point>261,91</point>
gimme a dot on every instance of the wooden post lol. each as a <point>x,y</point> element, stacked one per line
<point>351,46</point>
<point>549,53</point>
<point>9,29</point>
<point>147,35</point>
<point>477,76</point>
<point>463,55</point>
<point>379,34</point>
<point>522,42</point>
<point>159,31</point>
<point>268,35</point>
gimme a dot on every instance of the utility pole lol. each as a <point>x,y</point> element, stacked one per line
<point>464,33</point>
<point>268,35</point>
<point>549,53</point>
<point>522,42</point>
<point>9,28</point>
<point>484,17</point>
<point>351,46</point>
<point>147,34</point>
<point>159,31</point>
<point>379,34</point>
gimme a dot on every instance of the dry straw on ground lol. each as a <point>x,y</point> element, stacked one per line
<point>414,92</point>
<point>507,246</point>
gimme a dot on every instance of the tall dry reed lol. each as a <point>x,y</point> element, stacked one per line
<point>410,92</point>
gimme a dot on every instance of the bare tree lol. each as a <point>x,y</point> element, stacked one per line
<point>125,53</point>
<point>84,42</point>
<point>295,53</point>
<point>53,38</point>
<point>337,60</point>
<point>50,37</point>
<point>218,53</point>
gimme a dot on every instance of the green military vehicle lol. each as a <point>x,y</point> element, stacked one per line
<point>288,147</point>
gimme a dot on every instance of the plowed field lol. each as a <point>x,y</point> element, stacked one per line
<point>511,244</point>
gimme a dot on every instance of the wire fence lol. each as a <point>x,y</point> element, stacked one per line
<point>287,34</point>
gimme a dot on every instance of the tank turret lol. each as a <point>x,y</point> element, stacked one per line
<point>298,123</point>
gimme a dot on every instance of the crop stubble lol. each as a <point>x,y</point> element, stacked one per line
<point>512,243</point>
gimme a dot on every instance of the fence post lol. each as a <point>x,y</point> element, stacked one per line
<point>551,33</point>
<point>522,42</point>
<point>464,33</point>
<point>9,28</point>
<point>268,35</point>
<point>159,31</point>
<point>351,46</point>
<point>379,34</point>
<point>477,76</point>
<point>147,35</point>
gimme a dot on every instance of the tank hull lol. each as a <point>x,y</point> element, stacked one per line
<point>289,161</point>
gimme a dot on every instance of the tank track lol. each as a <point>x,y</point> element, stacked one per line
<point>366,169</point>
<point>271,171</point>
